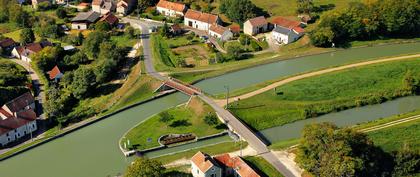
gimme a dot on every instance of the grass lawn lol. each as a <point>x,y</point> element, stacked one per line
<point>262,167</point>
<point>15,35</point>
<point>324,94</point>
<point>190,119</point>
<point>8,27</point>
<point>123,41</point>
<point>395,137</point>
<point>182,40</point>
<point>211,150</point>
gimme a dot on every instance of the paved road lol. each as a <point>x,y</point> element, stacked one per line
<point>240,128</point>
<point>39,87</point>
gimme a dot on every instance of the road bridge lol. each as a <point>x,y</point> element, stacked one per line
<point>240,128</point>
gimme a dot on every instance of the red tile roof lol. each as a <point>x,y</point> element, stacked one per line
<point>7,42</point>
<point>235,28</point>
<point>110,18</point>
<point>20,102</point>
<point>203,161</point>
<point>54,72</point>
<point>12,123</point>
<point>283,22</point>
<point>96,2</point>
<point>298,29</point>
<point>32,48</point>
<point>200,16</point>
<point>236,163</point>
<point>218,29</point>
<point>258,21</point>
<point>171,5</point>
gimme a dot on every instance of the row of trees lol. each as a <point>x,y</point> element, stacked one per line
<point>238,10</point>
<point>13,81</point>
<point>326,150</point>
<point>361,21</point>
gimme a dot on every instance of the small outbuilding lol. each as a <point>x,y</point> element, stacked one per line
<point>220,32</point>
<point>55,74</point>
<point>84,19</point>
<point>256,26</point>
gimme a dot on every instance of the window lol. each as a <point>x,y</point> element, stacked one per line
<point>198,172</point>
<point>213,175</point>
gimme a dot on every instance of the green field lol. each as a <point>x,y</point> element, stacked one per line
<point>331,92</point>
<point>395,137</point>
<point>190,119</point>
<point>262,167</point>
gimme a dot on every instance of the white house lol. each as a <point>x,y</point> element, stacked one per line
<point>286,31</point>
<point>200,20</point>
<point>84,19</point>
<point>255,26</point>
<point>24,52</point>
<point>220,32</point>
<point>203,165</point>
<point>17,119</point>
<point>125,6</point>
<point>171,9</point>
<point>103,6</point>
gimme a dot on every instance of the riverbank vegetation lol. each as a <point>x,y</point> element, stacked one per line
<point>331,92</point>
<point>326,150</point>
<point>196,117</point>
<point>367,21</point>
<point>262,167</point>
<point>13,80</point>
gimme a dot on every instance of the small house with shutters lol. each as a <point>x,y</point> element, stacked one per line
<point>55,74</point>
<point>286,31</point>
<point>256,26</point>
<point>220,32</point>
<point>171,9</point>
<point>201,20</point>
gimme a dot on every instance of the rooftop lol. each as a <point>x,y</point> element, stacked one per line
<point>179,7</point>
<point>218,29</point>
<point>90,16</point>
<point>203,161</point>
<point>20,102</point>
<point>258,21</point>
<point>201,16</point>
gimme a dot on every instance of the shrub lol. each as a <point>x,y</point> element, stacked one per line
<point>211,119</point>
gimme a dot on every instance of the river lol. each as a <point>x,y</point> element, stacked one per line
<point>93,151</point>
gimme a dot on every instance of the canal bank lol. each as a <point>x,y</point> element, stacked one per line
<point>93,150</point>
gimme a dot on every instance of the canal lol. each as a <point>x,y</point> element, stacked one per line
<point>93,151</point>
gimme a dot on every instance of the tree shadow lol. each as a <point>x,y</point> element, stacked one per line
<point>178,123</point>
<point>106,89</point>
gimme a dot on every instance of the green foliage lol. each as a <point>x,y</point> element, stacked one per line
<point>165,117</point>
<point>61,12</point>
<point>238,10</point>
<point>109,57</point>
<point>102,26</point>
<point>326,150</point>
<point>13,81</point>
<point>83,82</point>
<point>144,4</point>
<point>366,21</point>
<point>18,16</point>
<point>43,6</point>
<point>47,58</point>
<point>410,82</point>
<point>164,53</point>
<point>164,31</point>
<point>407,162</point>
<point>46,27</point>
<point>305,6</point>
<point>142,167</point>
<point>234,52</point>
<point>129,31</point>
<point>27,36</point>
<point>244,39</point>
<point>255,46</point>
<point>58,103</point>
<point>76,59</point>
<point>211,119</point>
<point>92,43</point>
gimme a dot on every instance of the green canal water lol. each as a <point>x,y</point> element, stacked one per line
<point>93,151</point>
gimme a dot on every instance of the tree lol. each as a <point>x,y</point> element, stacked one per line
<point>234,52</point>
<point>142,167</point>
<point>79,39</point>
<point>322,37</point>
<point>84,81</point>
<point>326,150</point>
<point>76,59</point>
<point>400,16</point>
<point>27,36</point>
<point>4,11</point>
<point>61,12</point>
<point>238,10</point>
<point>18,15</point>
<point>92,43</point>
<point>410,83</point>
<point>47,58</point>
<point>407,162</point>
<point>102,26</point>
<point>144,4</point>
<point>165,117</point>
<point>46,27</point>
<point>254,45</point>
<point>108,59</point>
<point>305,6</point>
<point>211,119</point>
<point>164,31</point>
<point>129,31</point>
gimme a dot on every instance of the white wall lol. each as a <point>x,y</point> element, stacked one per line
<point>224,37</point>
<point>169,12</point>
<point>79,26</point>
<point>18,133</point>
<point>196,24</point>
<point>285,39</point>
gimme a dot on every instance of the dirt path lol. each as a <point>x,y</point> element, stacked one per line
<point>390,124</point>
<point>222,102</point>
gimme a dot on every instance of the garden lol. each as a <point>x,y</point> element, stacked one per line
<point>195,117</point>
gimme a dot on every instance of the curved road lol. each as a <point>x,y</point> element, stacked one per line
<point>229,119</point>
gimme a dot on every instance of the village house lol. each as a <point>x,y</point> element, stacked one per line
<point>203,165</point>
<point>103,6</point>
<point>55,74</point>
<point>125,6</point>
<point>18,118</point>
<point>220,32</point>
<point>171,9</point>
<point>286,31</point>
<point>24,52</point>
<point>36,2</point>
<point>255,26</point>
<point>83,6</point>
<point>110,18</point>
<point>200,20</point>
<point>175,29</point>
<point>7,45</point>
<point>84,19</point>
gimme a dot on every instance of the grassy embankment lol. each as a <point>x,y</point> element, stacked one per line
<point>187,119</point>
<point>211,150</point>
<point>375,135</point>
<point>331,92</point>
<point>262,167</point>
